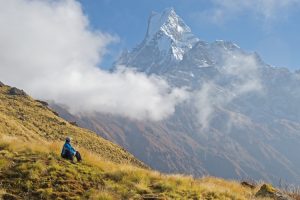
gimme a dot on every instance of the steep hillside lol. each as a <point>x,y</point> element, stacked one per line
<point>151,142</point>
<point>32,120</point>
<point>31,137</point>
<point>30,170</point>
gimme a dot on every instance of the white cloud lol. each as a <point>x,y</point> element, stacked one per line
<point>266,10</point>
<point>240,75</point>
<point>48,49</point>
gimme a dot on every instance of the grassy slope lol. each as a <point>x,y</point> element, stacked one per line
<point>28,119</point>
<point>32,171</point>
<point>31,168</point>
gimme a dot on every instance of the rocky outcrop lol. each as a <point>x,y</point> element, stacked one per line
<point>268,191</point>
<point>44,103</point>
<point>1,84</point>
<point>73,123</point>
<point>247,184</point>
<point>16,91</point>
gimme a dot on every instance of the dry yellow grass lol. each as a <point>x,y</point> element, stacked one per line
<point>33,164</point>
<point>28,119</point>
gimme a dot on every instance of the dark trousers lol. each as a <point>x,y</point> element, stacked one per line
<point>68,155</point>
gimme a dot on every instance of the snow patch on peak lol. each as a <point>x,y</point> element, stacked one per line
<point>226,44</point>
<point>167,21</point>
<point>167,41</point>
<point>170,34</point>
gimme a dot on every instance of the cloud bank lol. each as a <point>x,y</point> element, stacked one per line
<point>48,49</point>
<point>240,76</point>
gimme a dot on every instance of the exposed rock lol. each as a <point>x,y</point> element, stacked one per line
<point>22,118</point>
<point>268,191</point>
<point>16,91</point>
<point>10,197</point>
<point>55,113</point>
<point>248,184</point>
<point>44,103</point>
<point>153,197</point>
<point>1,84</point>
<point>62,123</point>
<point>74,123</point>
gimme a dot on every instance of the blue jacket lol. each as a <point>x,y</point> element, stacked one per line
<point>68,147</point>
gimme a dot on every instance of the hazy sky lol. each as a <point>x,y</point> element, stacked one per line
<point>269,27</point>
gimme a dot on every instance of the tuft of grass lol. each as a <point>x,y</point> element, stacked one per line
<point>2,192</point>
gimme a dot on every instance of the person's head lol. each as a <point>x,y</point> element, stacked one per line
<point>68,139</point>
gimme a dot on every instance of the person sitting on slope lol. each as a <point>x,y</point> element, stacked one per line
<point>68,152</point>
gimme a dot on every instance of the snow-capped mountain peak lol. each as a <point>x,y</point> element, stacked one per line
<point>167,40</point>
<point>169,30</point>
<point>167,22</point>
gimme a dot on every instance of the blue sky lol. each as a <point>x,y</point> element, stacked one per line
<point>269,27</point>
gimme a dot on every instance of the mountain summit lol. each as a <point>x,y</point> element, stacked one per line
<point>168,22</point>
<point>168,29</point>
<point>167,39</point>
<point>170,46</point>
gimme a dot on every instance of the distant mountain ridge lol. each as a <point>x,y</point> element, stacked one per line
<point>243,119</point>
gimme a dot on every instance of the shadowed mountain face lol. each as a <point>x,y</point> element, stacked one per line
<point>242,119</point>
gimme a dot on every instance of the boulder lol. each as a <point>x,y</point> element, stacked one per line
<point>74,123</point>
<point>268,191</point>
<point>55,113</point>
<point>10,197</point>
<point>248,184</point>
<point>44,103</point>
<point>16,91</point>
